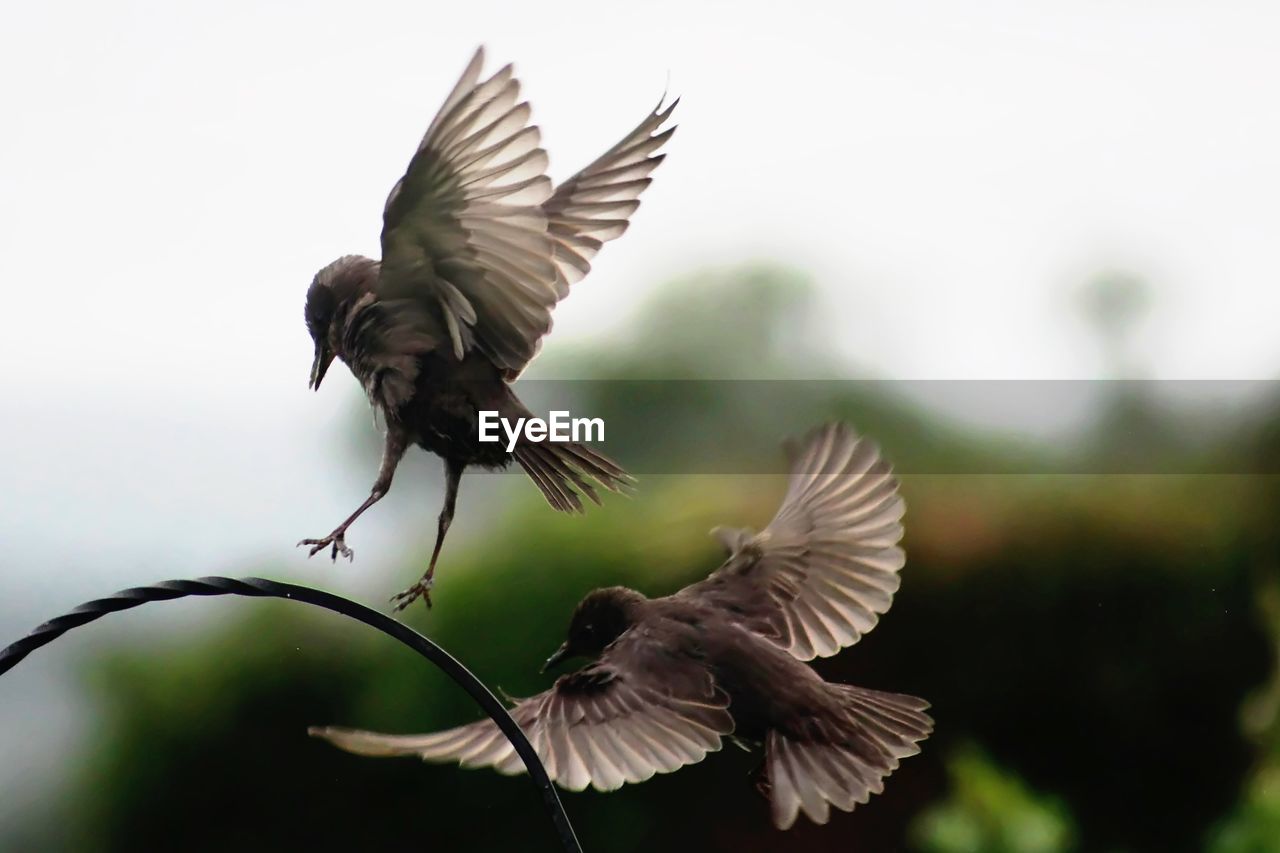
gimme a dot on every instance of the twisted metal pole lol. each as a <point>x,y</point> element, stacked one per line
<point>13,654</point>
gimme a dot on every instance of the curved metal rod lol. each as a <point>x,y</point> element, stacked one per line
<point>260,588</point>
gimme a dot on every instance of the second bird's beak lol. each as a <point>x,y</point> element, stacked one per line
<point>324,358</point>
<point>559,655</point>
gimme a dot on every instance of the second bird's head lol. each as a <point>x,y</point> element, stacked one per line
<point>599,619</point>
<point>328,297</point>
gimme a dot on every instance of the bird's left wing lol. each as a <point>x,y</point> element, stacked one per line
<point>635,712</point>
<point>464,229</point>
<point>595,205</point>
<point>819,576</point>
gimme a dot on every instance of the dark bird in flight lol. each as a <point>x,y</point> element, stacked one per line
<point>725,656</point>
<point>477,249</point>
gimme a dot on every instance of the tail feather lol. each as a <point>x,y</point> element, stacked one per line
<point>564,472</point>
<point>559,467</point>
<point>553,486</point>
<point>843,767</point>
<point>601,467</point>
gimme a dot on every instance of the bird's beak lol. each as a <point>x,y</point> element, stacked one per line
<point>324,357</point>
<point>559,655</point>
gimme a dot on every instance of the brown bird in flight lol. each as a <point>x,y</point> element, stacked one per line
<point>724,657</point>
<point>477,249</point>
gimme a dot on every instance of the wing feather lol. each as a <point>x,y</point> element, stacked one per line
<point>595,205</point>
<point>474,230</point>
<point>467,213</point>
<point>612,722</point>
<point>826,567</point>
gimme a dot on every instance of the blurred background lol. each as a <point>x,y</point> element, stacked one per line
<point>1066,194</point>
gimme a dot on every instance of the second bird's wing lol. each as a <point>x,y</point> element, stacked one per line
<point>819,576</point>
<point>464,229</point>
<point>635,712</point>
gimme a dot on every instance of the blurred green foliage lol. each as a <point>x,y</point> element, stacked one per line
<point>1254,825</point>
<point>990,810</point>
<point>1088,643</point>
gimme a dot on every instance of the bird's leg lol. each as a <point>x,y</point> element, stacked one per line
<point>393,449</point>
<point>452,477</point>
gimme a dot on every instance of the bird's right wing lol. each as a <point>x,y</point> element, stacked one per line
<point>633,713</point>
<point>819,576</point>
<point>464,230</point>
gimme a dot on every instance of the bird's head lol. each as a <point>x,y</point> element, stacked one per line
<point>599,619</point>
<point>333,286</point>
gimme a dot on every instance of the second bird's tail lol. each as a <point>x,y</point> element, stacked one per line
<point>565,471</point>
<point>843,757</point>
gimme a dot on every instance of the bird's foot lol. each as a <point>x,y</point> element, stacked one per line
<point>334,539</point>
<point>421,589</point>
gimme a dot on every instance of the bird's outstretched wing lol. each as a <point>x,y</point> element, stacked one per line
<point>464,228</point>
<point>635,712</point>
<point>595,205</point>
<point>819,576</point>
<point>474,229</point>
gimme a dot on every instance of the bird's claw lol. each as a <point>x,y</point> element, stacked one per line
<point>421,589</point>
<point>333,539</point>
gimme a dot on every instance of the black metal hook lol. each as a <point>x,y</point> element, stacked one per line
<point>11,655</point>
